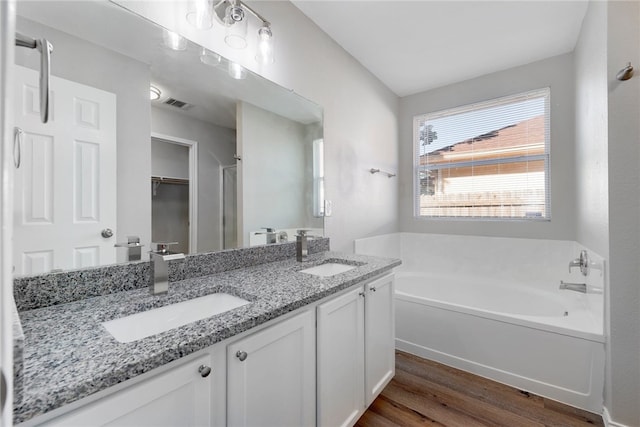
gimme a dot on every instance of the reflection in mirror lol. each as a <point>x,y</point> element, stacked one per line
<point>212,162</point>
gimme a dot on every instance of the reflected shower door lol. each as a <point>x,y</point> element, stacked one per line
<point>229,207</point>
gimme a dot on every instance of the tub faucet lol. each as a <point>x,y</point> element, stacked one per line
<point>578,287</point>
<point>582,263</point>
<point>159,267</point>
<point>302,249</point>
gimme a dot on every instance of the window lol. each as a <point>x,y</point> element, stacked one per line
<point>486,160</point>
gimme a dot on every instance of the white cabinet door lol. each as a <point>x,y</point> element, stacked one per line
<point>341,359</point>
<point>60,227</point>
<point>379,336</point>
<point>271,375</point>
<point>179,397</point>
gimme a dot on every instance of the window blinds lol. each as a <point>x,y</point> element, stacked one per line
<point>486,160</point>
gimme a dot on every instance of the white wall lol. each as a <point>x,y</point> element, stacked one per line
<point>592,192</point>
<point>592,149</point>
<point>360,113</point>
<point>169,160</point>
<point>622,394</point>
<point>216,146</point>
<point>92,65</point>
<point>556,73</point>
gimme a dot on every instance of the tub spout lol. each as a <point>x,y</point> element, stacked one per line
<point>578,287</point>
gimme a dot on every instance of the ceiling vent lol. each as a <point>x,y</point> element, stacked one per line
<point>178,104</point>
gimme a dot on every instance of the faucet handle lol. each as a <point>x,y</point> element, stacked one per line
<point>582,263</point>
<point>303,232</point>
<point>269,229</point>
<point>132,242</point>
<point>162,247</point>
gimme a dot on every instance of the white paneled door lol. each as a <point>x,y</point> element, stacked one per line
<point>65,186</point>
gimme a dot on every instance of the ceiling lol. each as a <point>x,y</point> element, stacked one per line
<point>414,46</point>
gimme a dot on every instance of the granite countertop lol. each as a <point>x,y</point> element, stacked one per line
<point>69,355</point>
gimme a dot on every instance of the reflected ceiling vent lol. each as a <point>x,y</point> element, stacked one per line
<point>178,104</point>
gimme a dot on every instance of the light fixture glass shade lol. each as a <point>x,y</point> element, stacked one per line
<point>173,41</point>
<point>210,58</point>
<point>154,93</point>
<point>237,24</point>
<point>237,71</point>
<point>201,16</point>
<point>264,54</point>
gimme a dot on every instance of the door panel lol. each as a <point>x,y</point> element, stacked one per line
<point>341,359</point>
<point>380,336</point>
<point>65,192</point>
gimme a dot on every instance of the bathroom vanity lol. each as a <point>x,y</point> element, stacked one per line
<point>308,349</point>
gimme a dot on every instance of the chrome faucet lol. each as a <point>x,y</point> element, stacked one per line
<point>578,287</point>
<point>133,247</point>
<point>271,234</point>
<point>159,267</point>
<point>302,249</point>
<point>582,263</point>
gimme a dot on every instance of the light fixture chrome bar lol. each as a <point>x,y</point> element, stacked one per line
<point>254,13</point>
<point>245,6</point>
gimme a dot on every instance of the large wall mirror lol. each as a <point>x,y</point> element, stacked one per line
<point>211,163</point>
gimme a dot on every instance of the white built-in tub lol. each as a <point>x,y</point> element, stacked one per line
<point>537,338</point>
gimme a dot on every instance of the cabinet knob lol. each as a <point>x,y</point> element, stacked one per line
<point>204,371</point>
<point>373,288</point>
<point>362,294</point>
<point>242,355</point>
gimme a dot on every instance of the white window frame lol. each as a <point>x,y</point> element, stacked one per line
<point>544,92</point>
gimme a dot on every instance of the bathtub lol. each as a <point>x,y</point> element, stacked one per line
<point>548,343</point>
<point>491,306</point>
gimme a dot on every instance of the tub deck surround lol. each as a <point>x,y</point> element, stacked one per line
<point>69,355</point>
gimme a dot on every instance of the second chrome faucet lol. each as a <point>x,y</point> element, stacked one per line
<point>302,244</point>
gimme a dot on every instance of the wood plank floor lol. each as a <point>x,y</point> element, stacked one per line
<point>428,393</point>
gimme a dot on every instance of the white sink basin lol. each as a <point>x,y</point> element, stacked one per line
<point>328,269</point>
<point>151,322</point>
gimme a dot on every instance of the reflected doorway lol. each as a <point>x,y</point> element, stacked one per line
<point>173,190</point>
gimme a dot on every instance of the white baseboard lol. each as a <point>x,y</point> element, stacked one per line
<point>608,422</point>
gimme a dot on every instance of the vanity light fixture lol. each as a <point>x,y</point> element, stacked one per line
<point>237,25</point>
<point>154,93</point>
<point>237,71</point>
<point>234,15</point>
<point>202,16</point>
<point>210,58</point>
<point>173,40</point>
<point>264,55</point>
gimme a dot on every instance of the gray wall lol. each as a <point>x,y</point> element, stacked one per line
<point>360,124</point>
<point>92,65</point>
<point>216,146</point>
<point>622,394</point>
<point>274,175</point>
<point>556,73</point>
<point>360,113</point>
